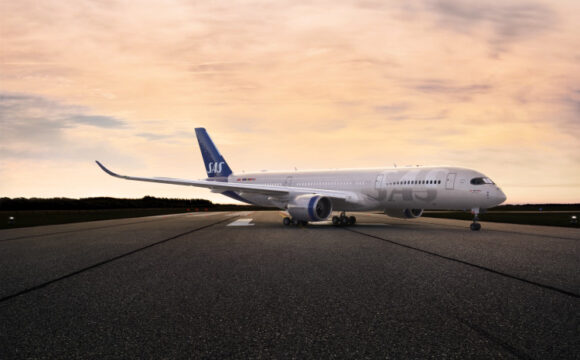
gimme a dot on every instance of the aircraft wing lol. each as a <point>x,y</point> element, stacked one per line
<point>276,191</point>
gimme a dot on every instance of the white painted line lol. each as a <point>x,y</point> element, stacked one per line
<point>204,214</point>
<point>242,222</point>
<point>327,222</point>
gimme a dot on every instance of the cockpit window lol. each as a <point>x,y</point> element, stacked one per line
<point>481,181</point>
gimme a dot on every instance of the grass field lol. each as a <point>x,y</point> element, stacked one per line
<point>545,218</point>
<point>25,218</point>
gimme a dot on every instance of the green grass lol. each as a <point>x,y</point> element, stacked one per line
<point>24,218</point>
<point>544,218</point>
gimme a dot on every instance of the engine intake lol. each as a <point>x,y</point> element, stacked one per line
<point>404,213</point>
<point>310,208</point>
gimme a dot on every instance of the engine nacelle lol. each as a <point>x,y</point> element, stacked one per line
<point>404,213</point>
<point>310,208</point>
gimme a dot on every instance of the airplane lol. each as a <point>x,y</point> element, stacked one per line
<point>312,196</point>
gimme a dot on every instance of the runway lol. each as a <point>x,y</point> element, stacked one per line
<point>242,285</point>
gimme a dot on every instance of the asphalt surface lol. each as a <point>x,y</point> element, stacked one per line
<point>190,286</point>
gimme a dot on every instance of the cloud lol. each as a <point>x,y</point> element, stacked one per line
<point>40,72</point>
<point>508,22</point>
<point>216,67</point>
<point>152,136</point>
<point>36,127</point>
<point>98,120</point>
<point>450,88</point>
<point>27,112</point>
<point>392,108</point>
<point>568,119</point>
<point>406,111</point>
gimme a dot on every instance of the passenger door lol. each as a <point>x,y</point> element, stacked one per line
<point>381,188</point>
<point>450,182</point>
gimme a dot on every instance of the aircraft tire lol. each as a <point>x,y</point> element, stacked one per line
<point>335,220</point>
<point>475,226</point>
<point>286,221</point>
<point>352,220</point>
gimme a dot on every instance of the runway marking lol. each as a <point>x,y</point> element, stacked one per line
<point>481,267</point>
<point>104,262</point>
<point>327,222</point>
<point>204,214</point>
<point>242,222</point>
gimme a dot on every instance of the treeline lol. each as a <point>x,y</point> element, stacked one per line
<point>101,203</point>
<point>538,207</point>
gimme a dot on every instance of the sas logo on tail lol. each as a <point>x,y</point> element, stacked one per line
<point>215,167</point>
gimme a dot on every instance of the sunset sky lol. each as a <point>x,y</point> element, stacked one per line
<point>489,85</point>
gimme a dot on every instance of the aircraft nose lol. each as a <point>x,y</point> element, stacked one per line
<point>500,196</point>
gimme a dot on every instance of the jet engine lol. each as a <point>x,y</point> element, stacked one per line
<point>404,213</point>
<point>310,208</point>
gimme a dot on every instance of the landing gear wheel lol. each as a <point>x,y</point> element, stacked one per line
<point>475,226</point>
<point>343,220</point>
<point>286,221</point>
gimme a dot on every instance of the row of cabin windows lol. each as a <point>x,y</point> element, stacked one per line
<point>315,183</point>
<point>407,182</point>
<point>415,182</point>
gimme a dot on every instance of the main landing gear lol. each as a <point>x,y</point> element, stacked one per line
<point>475,226</point>
<point>287,221</point>
<point>343,220</point>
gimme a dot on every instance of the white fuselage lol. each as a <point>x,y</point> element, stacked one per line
<point>382,189</point>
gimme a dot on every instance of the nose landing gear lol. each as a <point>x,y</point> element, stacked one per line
<point>475,226</point>
<point>343,220</point>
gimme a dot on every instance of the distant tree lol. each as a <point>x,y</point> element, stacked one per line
<point>96,203</point>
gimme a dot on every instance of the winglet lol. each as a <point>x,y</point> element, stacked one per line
<point>108,171</point>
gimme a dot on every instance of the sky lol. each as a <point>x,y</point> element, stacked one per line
<point>493,86</point>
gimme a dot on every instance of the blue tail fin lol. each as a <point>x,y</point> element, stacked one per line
<point>215,165</point>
